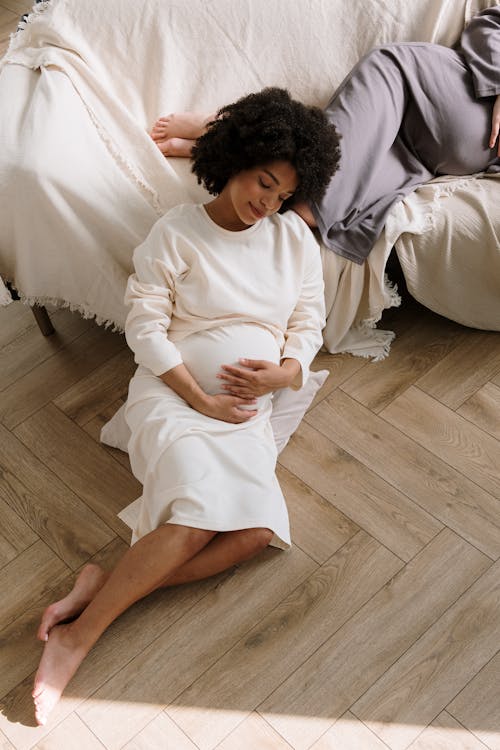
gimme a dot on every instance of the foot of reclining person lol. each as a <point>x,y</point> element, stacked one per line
<point>176,134</point>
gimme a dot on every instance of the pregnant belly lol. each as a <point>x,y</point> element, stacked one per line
<point>204,352</point>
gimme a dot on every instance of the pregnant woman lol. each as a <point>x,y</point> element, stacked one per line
<point>226,307</point>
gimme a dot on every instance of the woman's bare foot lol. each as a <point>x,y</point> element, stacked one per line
<point>188,125</point>
<point>175,135</point>
<point>176,147</point>
<point>62,655</point>
<point>88,583</point>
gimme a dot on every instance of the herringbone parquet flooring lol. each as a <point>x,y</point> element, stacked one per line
<point>379,629</point>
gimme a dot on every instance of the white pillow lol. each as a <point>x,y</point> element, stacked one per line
<point>290,406</point>
<point>288,409</point>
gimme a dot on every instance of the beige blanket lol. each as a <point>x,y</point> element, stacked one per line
<point>450,251</point>
<point>84,81</point>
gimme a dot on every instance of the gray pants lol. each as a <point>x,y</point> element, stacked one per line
<point>406,113</point>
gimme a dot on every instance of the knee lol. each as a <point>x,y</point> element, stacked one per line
<point>193,539</point>
<point>378,59</point>
<point>260,538</point>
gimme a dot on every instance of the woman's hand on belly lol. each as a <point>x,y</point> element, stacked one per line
<point>223,406</point>
<point>258,377</point>
<point>228,408</point>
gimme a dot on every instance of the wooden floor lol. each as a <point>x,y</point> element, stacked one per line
<point>379,629</point>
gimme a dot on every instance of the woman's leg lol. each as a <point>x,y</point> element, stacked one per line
<point>406,113</point>
<point>376,167</point>
<point>142,569</point>
<point>175,135</point>
<point>222,552</point>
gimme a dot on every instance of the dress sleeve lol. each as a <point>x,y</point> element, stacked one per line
<point>303,336</point>
<point>480,45</point>
<point>150,295</point>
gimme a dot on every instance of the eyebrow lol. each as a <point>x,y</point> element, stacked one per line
<point>273,177</point>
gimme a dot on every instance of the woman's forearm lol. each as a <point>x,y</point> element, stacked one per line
<point>180,380</point>
<point>292,368</point>
<point>224,407</point>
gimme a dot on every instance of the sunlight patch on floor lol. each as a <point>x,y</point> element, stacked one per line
<point>445,733</point>
<point>116,722</point>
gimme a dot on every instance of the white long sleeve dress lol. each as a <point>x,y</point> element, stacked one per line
<point>206,296</point>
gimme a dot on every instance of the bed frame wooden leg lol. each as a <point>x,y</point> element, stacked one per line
<point>43,320</point>
<point>39,311</point>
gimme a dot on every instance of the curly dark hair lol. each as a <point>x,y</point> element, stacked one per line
<point>264,127</point>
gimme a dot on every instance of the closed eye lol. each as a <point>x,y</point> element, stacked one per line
<point>267,186</point>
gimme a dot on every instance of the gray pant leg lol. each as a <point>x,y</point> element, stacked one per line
<point>406,113</point>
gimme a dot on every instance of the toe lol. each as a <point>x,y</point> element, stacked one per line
<point>37,691</point>
<point>158,133</point>
<point>161,124</point>
<point>163,146</point>
<point>40,717</point>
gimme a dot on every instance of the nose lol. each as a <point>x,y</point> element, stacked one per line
<point>269,202</point>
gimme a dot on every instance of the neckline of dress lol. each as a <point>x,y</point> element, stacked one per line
<point>234,234</point>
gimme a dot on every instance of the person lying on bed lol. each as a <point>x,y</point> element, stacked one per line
<point>226,307</point>
<point>406,113</point>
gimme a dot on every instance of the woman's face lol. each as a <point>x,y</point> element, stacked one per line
<point>254,194</point>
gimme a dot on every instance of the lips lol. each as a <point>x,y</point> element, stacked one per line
<point>256,213</point>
